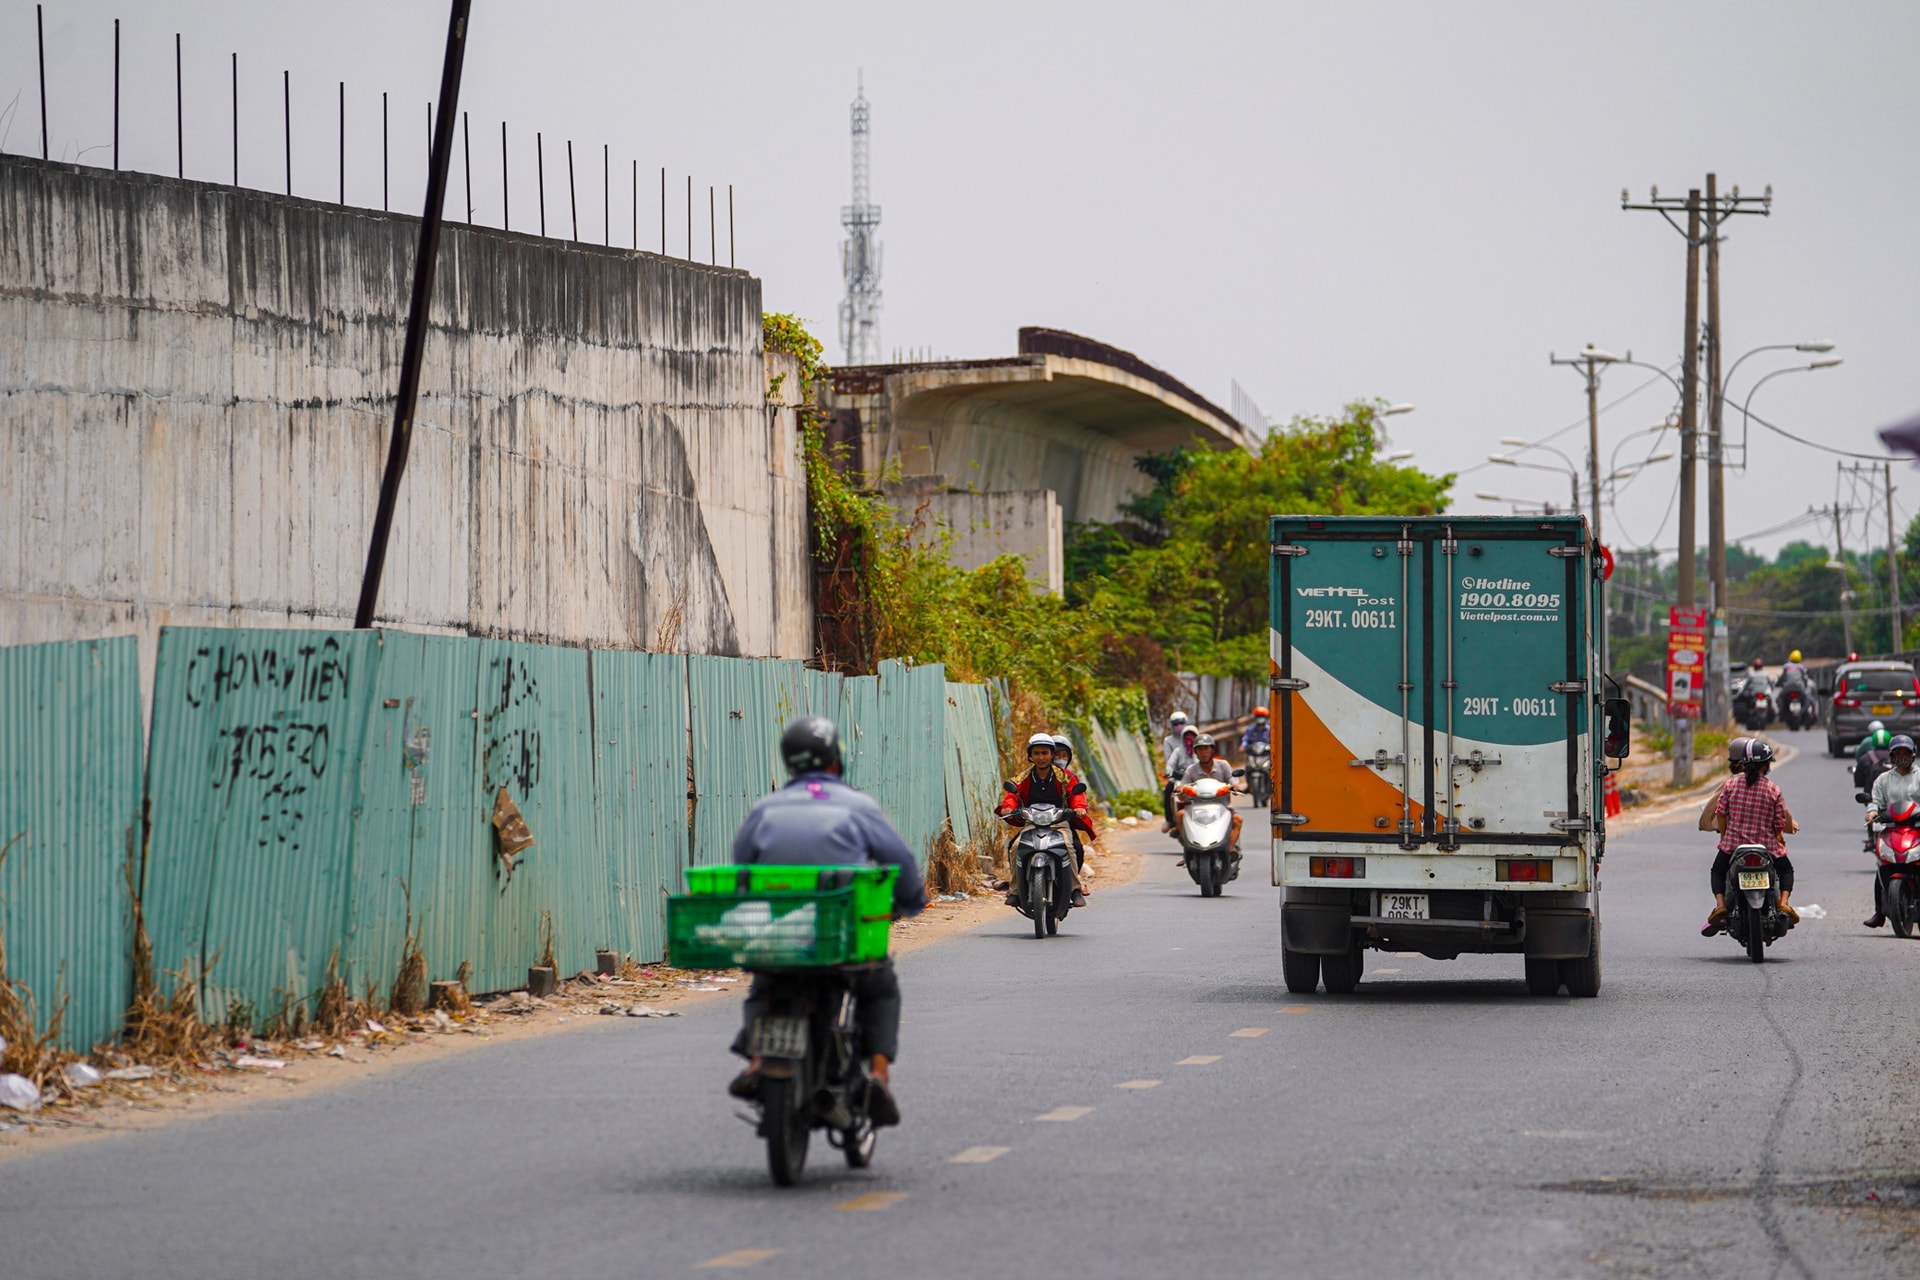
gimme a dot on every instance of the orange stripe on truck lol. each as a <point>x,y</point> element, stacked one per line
<point>1335,795</point>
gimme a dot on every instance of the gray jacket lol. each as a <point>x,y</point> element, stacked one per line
<point>818,820</point>
<point>1892,787</point>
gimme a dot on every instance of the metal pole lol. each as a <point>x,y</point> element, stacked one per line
<point>663,211</point>
<point>506,214</point>
<point>1689,402</point>
<point>1840,558</point>
<point>689,217</point>
<point>540,163</point>
<point>236,119</point>
<point>606,195</point>
<point>730,261</point>
<point>116,89</point>
<point>466,152</point>
<point>417,316</point>
<point>40,26</point>
<point>1718,708</point>
<point>636,206</point>
<point>286,118</point>
<point>343,142</point>
<point>386,199</point>
<point>572,202</point>
<point>1593,442</point>
<point>179,113</point>
<point>713,234</point>
<point>1893,565</point>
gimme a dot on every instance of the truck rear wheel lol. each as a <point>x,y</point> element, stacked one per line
<point>1342,973</point>
<point>1301,970</point>
<point>1543,977</point>
<point>1582,976</point>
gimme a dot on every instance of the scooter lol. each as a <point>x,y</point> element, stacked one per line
<point>811,1073</point>
<point>1896,847</point>
<point>1798,709</point>
<point>1206,833</point>
<point>1042,859</point>
<point>1760,712</point>
<point>1754,918</point>
<point>1260,774</point>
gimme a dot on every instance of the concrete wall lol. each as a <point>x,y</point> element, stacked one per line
<point>984,526</point>
<point>196,389</point>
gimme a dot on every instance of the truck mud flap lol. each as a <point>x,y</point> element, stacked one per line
<point>1316,929</point>
<point>1559,935</point>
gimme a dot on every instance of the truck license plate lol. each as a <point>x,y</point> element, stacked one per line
<point>1754,880</point>
<point>780,1037</point>
<point>1403,906</point>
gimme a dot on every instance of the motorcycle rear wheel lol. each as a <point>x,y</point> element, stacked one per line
<point>1899,908</point>
<point>788,1127</point>
<point>1756,938</point>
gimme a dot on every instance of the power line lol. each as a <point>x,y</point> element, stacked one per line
<point>1824,448</point>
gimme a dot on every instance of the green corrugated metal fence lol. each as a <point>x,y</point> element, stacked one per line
<point>316,793</point>
<point>69,819</point>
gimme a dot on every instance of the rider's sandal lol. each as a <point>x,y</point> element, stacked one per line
<point>746,1085</point>
<point>881,1108</point>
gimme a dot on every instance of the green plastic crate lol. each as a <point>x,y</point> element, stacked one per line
<point>780,917</point>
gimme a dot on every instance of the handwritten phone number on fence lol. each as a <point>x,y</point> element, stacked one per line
<point>1535,708</point>
<point>1509,600</point>
<point>1352,619</point>
<point>286,757</point>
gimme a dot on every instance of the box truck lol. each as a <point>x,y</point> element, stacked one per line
<point>1438,685</point>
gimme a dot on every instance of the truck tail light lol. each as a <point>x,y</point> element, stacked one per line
<point>1530,870</point>
<point>1337,868</point>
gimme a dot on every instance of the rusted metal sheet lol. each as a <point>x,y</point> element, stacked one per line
<point>640,780</point>
<point>69,819</point>
<point>253,784</point>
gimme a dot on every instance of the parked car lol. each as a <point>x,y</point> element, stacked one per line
<point>1867,691</point>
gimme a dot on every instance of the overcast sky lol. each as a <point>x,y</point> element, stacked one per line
<point>1325,202</point>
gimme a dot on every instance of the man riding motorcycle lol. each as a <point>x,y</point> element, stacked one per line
<point>1750,809</point>
<point>1259,731</point>
<point>818,820</point>
<point>1208,764</point>
<point>1897,785</point>
<point>1043,783</point>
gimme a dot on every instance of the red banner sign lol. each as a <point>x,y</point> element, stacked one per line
<point>1687,631</point>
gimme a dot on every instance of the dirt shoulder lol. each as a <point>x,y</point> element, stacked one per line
<point>267,1070</point>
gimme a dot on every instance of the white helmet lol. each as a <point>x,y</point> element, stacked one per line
<point>1177,719</point>
<point>1039,740</point>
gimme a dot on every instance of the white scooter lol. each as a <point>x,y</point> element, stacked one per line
<point>1206,833</point>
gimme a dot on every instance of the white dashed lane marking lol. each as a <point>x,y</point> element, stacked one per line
<point>1136,1084</point>
<point>1249,1033</point>
<point>1199,1060</point>
<point>738,1258</point>
<point>1064,1114</point>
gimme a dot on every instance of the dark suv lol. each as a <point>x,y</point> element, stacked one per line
<point>1867,691</point>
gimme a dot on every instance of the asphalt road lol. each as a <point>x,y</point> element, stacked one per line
<point>1137,1097</point>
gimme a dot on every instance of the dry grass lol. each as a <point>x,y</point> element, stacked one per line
<point>31,1050</point>
<point>951,866</point>
<point>337,1012</point>
<point>546,944</point>
<point>409,993</point>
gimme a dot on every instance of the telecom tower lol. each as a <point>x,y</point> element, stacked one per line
<point>860,253</point>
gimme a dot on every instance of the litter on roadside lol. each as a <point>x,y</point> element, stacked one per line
<point>1813,911</point>
<point>265,1064</point>
<point>131,1073</point>
<point>17,1093</point>
<point>80,1075</point>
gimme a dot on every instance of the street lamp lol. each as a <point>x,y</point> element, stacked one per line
<point>1516,503</point>
<point>1746,422</point>
<point>1572,473</point>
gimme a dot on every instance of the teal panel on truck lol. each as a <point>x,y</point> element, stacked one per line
<point>420,843</point>
<point>534,738</point>
<point>640,779</point>
<point>253,781</point>
<point>69,822</point>
<point>1432,680</point>
<point>738,709</point>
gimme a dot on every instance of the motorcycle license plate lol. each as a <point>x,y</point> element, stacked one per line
<point>1883,710</point>
<point>1754,880</point>
<point>1403,906</point>
<point>780,1038</point>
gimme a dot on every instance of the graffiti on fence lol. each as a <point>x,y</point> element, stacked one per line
<point>311,672</point>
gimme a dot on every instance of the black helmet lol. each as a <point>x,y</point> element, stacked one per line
<point>1737,751</point>
<point>1759,751</point>
<point>811,744</point>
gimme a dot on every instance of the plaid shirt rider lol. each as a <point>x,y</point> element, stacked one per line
<point>1755,814</point>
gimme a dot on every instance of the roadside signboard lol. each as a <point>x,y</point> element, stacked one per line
<point>1687,661</point>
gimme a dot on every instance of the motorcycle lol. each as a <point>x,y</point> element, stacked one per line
<point>1043,862</point>
<point>1896,846</point>
<point>1760,710</point>
<point>811,1073</point>
<point>1206,833</point>
<point>1754,918</point>
<point>1260,774</point>
<point>1798,710</point>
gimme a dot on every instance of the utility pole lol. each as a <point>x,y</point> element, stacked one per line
<point>1689,435</point>
<point>1893,564</point>
<point>1590,361</point>
<point>1846,583</point>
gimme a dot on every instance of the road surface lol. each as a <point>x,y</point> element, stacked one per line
<point>1137,1097</point>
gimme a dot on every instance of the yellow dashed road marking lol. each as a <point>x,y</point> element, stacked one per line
<point>1248,1033</point>
<point>1064,1114</point>
<point>1296,1008</point>
<point>1136,1084</point>
<point>738,1258</point>
<point>1198,1060</point>
<point>979,1155</point>
<point>873,1200</point>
